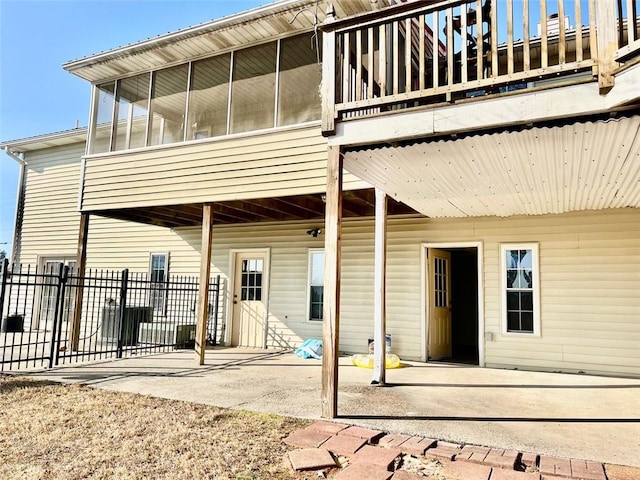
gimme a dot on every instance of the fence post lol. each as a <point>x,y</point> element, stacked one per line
<point>63,292</point>
<point>62,270</point>
<point>3,288</point>
<point>216,300</point>
<point>121,310</point>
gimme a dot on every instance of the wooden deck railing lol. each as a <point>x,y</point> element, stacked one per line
<point>427,52</point>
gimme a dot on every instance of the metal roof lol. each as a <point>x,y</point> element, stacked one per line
<point>38,142</point>
<point>541,170</point>
<point>250,27</point>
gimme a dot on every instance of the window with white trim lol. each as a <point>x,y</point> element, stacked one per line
<point>316,285</point>
<point>520,289</point>
<point>158,277</point>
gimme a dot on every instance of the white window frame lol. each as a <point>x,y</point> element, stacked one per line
<point>535,265</point>
<point>307,314</point>
<point>163,308</point>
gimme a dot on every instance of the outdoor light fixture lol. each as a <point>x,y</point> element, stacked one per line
<point>314,232</point>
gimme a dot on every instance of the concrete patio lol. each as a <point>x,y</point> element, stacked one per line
<point>576,416</point>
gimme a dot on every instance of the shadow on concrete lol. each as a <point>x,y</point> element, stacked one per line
<point>114,372</point>
<point>488,419</point>
<point>502,385</point>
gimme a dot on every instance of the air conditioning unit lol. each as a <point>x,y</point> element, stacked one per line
<point>133,317</point>
<point>181,336</point>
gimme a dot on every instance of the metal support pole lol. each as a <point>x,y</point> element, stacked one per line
<point>121,310</point>
<point>3,288</point>
<point>215,311</point>
<point>380,290</point>
<point>63,293</point>
<point>56,314</point>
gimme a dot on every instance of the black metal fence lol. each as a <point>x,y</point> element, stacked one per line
<point>53,316</point>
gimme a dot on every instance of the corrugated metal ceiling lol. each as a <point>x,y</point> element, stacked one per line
<point>542,170</point>
<point>253,26</point>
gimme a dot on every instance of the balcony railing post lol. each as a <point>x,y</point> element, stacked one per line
<point>607,41</point>
<point>329,76</point>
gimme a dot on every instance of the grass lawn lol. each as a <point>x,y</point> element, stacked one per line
<point>55,431</point>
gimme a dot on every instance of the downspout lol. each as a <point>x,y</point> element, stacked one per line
<point>17,227</point>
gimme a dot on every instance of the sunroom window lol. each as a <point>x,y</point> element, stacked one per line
<point>299,80</point>
<point>101,132</point>
<point>168,103</point>
<point>133,98</point>
<point>253,91</point>
<point>209,97</point>
<point>261,87</point>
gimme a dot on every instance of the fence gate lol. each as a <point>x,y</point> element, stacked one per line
<point>53,315</point>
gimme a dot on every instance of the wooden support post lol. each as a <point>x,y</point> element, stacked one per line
<point>203,286</point>
<point>379,292</point>
<point>81,264</point>
<point>329,76</point>
<point>331,308</point>
<point>607,39</point>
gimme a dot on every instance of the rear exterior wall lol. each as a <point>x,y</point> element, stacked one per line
<point>589,271</point>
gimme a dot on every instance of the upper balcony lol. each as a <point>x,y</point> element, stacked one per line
<point>416,60</point>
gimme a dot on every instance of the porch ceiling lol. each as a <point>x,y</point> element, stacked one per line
<point>245,28</point>
<point>356,203</point>
<point>540,170</point>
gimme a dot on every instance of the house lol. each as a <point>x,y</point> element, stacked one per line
<point>480,181</point>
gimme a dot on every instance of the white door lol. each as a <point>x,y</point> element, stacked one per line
<point>49,292</point>
<point>249,301</point>
<point>439,285</point>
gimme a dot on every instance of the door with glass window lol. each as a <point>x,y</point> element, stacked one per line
<point>249,301</point>
<point>47,301</point>
<point>439,321</point>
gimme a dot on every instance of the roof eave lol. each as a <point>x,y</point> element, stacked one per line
<point>74,66</point>
<point>38,142</point>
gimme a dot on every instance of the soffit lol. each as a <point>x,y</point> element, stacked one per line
<point>254,26</point>
<point>541,170</point>
<point>38,142</point>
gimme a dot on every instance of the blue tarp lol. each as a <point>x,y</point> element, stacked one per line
<point>311,348</point>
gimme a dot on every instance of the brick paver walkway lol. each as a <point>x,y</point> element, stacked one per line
<point>346,452</point>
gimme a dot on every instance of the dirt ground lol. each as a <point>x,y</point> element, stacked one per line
<point>56,431</point>
<point>53,431</point>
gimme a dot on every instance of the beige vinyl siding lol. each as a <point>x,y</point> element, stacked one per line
<point>286,162</point>
<point>51,221</point>
<point>590,288</point>
<point>589,271</point>
<point>289,245</point>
